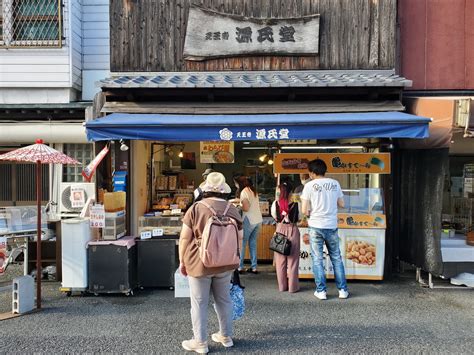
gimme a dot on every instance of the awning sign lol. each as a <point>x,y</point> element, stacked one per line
<point>217,152</point>
<point>258,134</point>
<point>337,163</point>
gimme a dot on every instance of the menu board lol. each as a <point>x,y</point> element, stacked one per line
<point>213,152</point>
<point>337,163</point>
<point>362,250</point>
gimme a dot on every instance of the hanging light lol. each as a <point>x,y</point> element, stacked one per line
<point>123,146</point>
<point>270,161</point>
<point>181,154</point>
<point>263,157</point>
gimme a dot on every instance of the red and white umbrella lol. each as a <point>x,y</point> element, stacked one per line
<point>38,153</point>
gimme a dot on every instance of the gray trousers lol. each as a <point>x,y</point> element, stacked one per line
<point>200,289</point>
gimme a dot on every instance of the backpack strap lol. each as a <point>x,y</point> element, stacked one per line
<point>209,207</point>
<point>213,210</point>
<point>227,208</point>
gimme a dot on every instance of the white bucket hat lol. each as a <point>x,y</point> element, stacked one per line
<point>215,182</point>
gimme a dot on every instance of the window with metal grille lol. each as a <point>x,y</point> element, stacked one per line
<point>82,153</point>
<point>18,183</point>
<point>30,23</point>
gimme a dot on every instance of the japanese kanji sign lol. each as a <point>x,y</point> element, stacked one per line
<point>337,163</point>
<point>212,34</point>
<point>217,152</point>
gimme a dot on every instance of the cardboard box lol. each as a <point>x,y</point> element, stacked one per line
<point>181,285</point>
<point>114,201</point>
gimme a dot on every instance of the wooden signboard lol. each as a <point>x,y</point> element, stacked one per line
<point>337,163</point>
<point>211,34</point>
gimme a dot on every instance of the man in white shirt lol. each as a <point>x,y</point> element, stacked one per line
<point>320,199</point>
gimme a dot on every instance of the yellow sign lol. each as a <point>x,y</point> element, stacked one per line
<point>217,152</point>
<point>361,221</point>
<point>337,163</point>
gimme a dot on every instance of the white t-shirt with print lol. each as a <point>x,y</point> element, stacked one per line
<point>253,214</point>
<point>322,195</point>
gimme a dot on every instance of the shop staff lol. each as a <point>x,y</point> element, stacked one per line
<point>320,199</point>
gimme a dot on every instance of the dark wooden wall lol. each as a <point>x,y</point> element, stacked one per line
<point>148,35</point>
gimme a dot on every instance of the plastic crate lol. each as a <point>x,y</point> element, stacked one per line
<point>115,225</point>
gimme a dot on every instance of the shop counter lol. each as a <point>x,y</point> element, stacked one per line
<point>362,245</point>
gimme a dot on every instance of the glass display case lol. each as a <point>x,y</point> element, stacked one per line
<point>363,201</point>
<point>171,225</point>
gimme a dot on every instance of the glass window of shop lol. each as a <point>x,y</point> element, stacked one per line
<point>179,166</point>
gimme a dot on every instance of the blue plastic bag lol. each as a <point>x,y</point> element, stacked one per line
<point>238,301</point>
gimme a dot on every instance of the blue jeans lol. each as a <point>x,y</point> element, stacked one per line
<point>319,236</point>
<point>250,237</point>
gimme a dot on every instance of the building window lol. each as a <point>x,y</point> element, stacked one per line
<point>83,154</point>
<point>30,23</point>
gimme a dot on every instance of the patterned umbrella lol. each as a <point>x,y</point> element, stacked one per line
<point>40,154</point>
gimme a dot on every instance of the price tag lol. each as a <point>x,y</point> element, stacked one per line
<point>145,235</point>
<point>176,211</point>
<point>174,218</point>
<point>157,232</point>
<point>97,216</point>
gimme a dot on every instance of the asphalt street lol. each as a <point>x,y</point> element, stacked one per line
<point>380,317</point>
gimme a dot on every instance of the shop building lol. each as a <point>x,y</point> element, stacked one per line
<point>195,87</point>
<point>51,54</point>
<point>437,172</point>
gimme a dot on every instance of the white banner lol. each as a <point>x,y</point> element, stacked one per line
<point>97,219</point>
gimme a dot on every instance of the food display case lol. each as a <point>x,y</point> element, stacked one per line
<point>169,225</point>
<point>362,225</point>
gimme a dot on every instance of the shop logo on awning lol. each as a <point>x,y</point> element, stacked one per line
<point>226,134</point>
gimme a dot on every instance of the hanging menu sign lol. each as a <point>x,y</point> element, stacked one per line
<point>337,163</point>
<point>211,34</point>
<point>217,152</point>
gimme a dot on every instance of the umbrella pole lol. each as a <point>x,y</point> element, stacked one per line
<point>38,239</point>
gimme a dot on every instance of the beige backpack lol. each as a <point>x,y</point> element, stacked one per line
<point>219,244</point>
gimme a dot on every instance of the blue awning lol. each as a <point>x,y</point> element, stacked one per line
<point>183,128</point>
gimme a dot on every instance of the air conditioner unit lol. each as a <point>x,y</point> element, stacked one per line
<point>65,206</point>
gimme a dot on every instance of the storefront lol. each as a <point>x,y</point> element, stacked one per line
<point>260,79</point>
<point>357,146</point>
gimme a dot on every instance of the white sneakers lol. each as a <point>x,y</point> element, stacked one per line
<point>202,348</point>
<point>224,340</point>
<point>343,294</point>
<point>196,346</point>
<point>321,295</point>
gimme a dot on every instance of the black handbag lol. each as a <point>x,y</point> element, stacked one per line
<point>280,244</point>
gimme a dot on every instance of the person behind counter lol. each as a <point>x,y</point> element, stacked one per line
<point>252,220</point>
<point>198,191</point>
<point>202,280</point>
<point>320,199</point>
<point>286,214</point>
